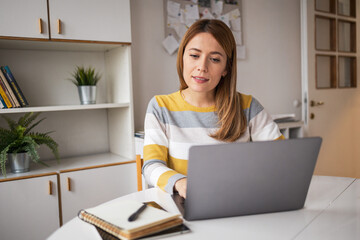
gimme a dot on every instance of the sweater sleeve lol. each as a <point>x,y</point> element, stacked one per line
<point>156,143</point>
<point>262,127</point>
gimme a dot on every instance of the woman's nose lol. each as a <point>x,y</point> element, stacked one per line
<point>202,67</point>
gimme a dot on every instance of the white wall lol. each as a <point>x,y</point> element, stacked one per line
<point>270,72</point>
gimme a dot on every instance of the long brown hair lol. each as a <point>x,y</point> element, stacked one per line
<point>232,120</point>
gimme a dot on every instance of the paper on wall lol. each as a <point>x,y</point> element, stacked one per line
<point>240,52</point>
<point>195,1</point>
<point>217,7</point>
<point>172,22</point>
<point>182,16</point>
<point>206,14</point>
<point>191,11</point>
<point>225,19</point>
<point>238,37</point>
<point>189,22</point>
<point>173,9</point>
<point>170,44</point>
<point>236,24</point>
<point>234,14</point>
<point>181,30</point>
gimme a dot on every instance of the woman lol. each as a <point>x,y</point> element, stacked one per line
<point>206,110</point>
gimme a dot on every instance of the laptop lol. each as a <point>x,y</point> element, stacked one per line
<point>235,179</point>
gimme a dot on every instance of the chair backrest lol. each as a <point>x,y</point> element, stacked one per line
<point>139,164</point>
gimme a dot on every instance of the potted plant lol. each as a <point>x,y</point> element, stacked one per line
<point>18,144</point>
<point>86,80</point>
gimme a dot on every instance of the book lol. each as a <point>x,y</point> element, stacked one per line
<point>180,229</point>
<point>5,98</point>
<point>9,92</point>
<point>279,118</point>
<point>2,104</point>
<point>14,86</point>
<point>113,218</point>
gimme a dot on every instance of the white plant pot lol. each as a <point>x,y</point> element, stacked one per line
<point>19,162</point>
<point>87,94</point>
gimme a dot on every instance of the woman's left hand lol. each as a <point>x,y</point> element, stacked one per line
<point>180,186</point>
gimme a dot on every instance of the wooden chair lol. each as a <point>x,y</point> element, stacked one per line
<point>139,164</point>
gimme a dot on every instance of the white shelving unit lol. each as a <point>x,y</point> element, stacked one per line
<point>43,77</point>
<point>96,142</point>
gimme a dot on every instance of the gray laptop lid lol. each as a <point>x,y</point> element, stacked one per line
<point>249,178</point>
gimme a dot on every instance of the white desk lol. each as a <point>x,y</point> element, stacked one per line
<point>332,211</point>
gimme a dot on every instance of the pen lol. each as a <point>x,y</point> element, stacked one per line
<point>134,216</point>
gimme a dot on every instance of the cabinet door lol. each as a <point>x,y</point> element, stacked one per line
<point>27,209</point>
<point>93,20</point>
<point>92,187</point>
<point>21,18</point>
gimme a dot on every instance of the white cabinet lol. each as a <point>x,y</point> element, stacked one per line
<point>90,20</point>
<point>28,210</point>
<point>88,188</point>
<point>27,19</point>
<point>86,20</point>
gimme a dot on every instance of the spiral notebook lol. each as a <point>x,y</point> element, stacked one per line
<point>113,219</point>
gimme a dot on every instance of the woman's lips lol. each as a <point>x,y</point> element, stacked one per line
<point>200,79</point>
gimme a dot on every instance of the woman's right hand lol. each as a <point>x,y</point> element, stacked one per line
<point>180,186</point>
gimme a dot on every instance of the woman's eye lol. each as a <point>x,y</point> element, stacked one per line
<point>194,55</point>
<point>216,60</point>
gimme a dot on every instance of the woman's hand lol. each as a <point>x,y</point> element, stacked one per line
<point>180,186</point>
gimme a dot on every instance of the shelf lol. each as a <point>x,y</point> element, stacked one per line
<point>295,124</point>
<point>68,165</point>
<point>64,108</point>
<point>57,45</point>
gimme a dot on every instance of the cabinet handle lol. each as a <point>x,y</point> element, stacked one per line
<point>40,26</point>
<point>50,188</point>
<point>59,26</point>
<point>69,184</point>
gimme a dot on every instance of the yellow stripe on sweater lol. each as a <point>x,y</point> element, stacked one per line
<point>246,101</point>
<point>154,151</point>
<point>164,179</point>
<point>179,165</point>
<point>174,102</point>
<point>280,138</point>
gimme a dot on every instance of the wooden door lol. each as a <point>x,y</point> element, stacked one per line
<point>332,110</point>
<point>87,188</point>
<point>90,20</point>
<point>27,209</point>
<point>28,19</point>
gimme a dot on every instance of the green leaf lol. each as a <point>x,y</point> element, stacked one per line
<point>19,138</point>
<point>85,76</point>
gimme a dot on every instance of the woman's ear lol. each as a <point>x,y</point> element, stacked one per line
<point>224,73</point>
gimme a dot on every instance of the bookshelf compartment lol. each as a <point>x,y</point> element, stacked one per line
<point>43,77</point>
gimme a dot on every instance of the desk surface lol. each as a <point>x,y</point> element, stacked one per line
<point>332,211</point>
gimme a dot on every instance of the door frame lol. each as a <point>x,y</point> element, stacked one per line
<point>304,62</point>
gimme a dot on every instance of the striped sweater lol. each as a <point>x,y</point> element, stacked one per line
<point>172,126</point>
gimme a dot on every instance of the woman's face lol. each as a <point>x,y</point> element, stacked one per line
<point>204,63</point>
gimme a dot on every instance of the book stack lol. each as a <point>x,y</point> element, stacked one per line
<point>11,95</point>
<point>113,219</point>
